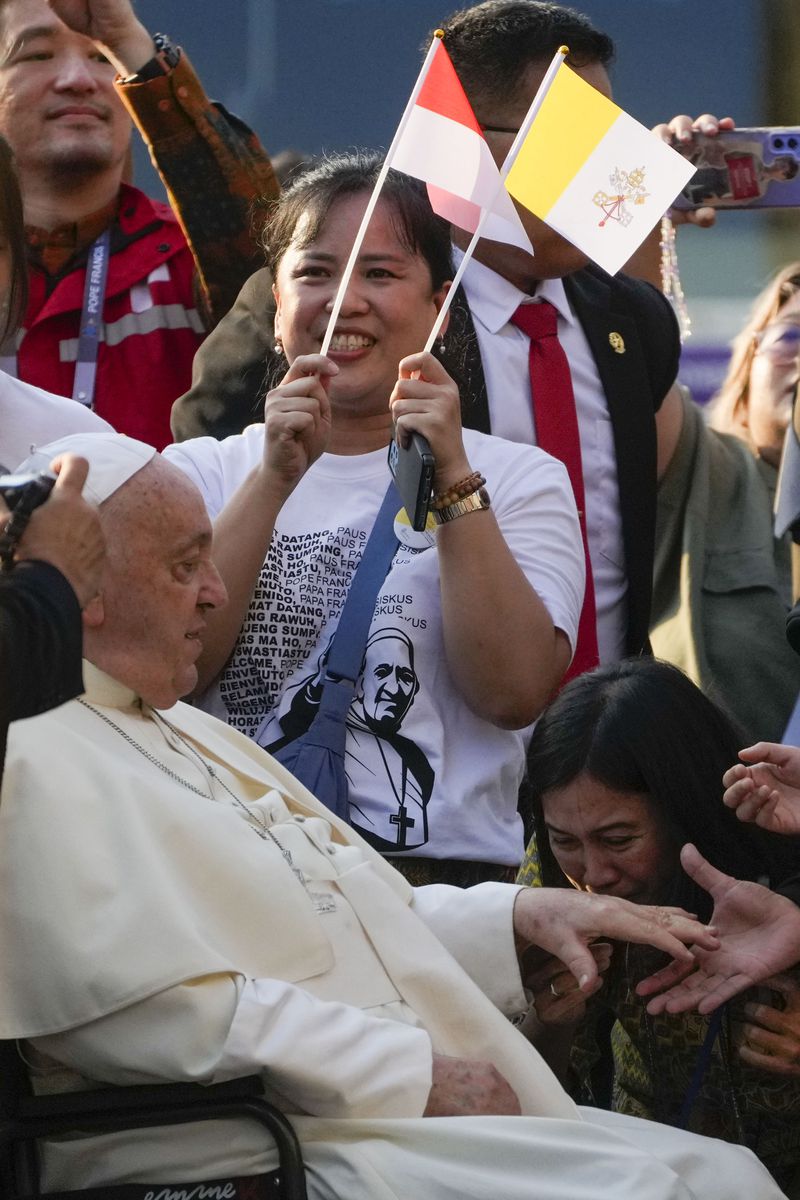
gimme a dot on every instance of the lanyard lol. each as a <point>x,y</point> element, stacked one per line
<point>91,319</point>
<point>94,291</point>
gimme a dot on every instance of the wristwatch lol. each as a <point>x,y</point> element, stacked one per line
<point>472,503</point>
<point>165,59</point>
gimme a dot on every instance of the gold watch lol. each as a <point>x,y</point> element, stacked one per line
<point>472,503</point>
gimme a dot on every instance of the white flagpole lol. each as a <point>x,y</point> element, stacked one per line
<point>373,200</point>
<point>508,162</point>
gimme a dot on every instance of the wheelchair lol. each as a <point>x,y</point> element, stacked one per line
<point>24,1118</point>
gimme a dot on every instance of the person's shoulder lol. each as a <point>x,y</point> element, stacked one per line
<point>637,295</point>
<point>30,416</point>
<point>500,453</point>
<point>136,208</point>
<point>516,472</point>
<point>240,449</point>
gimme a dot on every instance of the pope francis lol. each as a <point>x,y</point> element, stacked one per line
<point>175,906</point>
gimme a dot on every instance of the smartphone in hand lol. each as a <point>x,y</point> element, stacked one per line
<point>743,168</point>
<point>412,467</point>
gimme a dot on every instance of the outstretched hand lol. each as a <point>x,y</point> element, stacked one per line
<point>564,922</point>
<point>680,133</point>
<point>770,1038</point>
<point>765,787</point>
<point>759,934</point>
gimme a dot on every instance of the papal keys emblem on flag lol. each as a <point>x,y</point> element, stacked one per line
<point>628,189</point>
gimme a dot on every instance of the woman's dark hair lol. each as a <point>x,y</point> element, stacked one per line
<point>493,44</point>
<point>641,725</point>
<point>318,188</point>
<point>12,228</point>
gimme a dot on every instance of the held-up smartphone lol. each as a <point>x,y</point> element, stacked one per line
<point>743,168</point>
<point>413,468</point>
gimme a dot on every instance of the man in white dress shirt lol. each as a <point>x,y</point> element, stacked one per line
<point>176,906</point>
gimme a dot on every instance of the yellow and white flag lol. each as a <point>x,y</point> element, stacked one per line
<point>594,174</point>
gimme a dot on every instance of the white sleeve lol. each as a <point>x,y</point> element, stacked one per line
<point>476,925</point>
<point>533,502</point>
<point>218,468</point>
<point>322,1058</point>
<point>200,459</point>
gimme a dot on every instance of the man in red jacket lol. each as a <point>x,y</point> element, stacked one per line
<point>115,313</point>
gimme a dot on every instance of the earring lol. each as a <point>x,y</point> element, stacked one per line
<point>278,346</point>
<point>440,346</point>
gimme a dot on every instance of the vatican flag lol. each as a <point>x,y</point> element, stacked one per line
<point>594,174</point>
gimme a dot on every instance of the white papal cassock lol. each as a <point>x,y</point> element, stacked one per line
<point>160,920</point>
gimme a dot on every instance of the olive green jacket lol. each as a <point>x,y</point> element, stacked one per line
<point>722,581</point>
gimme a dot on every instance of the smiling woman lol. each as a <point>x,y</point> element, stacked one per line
<point>628,764</point>
<point>474,623</point>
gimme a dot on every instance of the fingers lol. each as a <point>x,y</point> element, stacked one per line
<point>768,752</point>
<point>423,366</point>
<point>671,934</point>
<point>701,871</point>
<point>72,472</point>
<point>558,1000</point>
<point>553,976</point>
<point>306,365</point>
<point>668,976</point>
<point>579,961</point>
<point>777,1051</point>
<point>770,1062</point>
<point>698,991</point>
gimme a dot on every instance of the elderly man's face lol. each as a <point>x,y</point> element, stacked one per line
<point>159,583</point>
<point>389,684</point>
<point>58,107</point>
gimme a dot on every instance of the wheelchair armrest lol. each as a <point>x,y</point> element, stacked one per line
<point>109,1110</point>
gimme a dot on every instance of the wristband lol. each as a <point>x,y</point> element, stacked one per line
<point>473,503</point>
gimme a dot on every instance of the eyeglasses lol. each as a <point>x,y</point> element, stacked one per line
<point>779,343</point>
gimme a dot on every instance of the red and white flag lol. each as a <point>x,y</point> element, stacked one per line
<point>441,143</point>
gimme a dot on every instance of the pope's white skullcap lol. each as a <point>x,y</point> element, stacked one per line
<point>113,458</point>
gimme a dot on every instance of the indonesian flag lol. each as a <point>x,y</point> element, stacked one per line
<point>442,144</point>
<point>594,174</point>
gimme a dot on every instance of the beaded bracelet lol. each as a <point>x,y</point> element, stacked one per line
<point>458,491</point>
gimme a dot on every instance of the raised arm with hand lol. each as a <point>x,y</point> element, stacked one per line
<point>759,934</point>
<point>66,532</point>
<point>502,648</point>
<point>114,26</point>
<point>209,161</point>
<point>765,787</point>
<point>297,424</point>
<point>563,922</point>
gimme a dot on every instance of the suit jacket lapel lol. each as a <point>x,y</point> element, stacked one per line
<point>623,374</point>
<point>462,360</point>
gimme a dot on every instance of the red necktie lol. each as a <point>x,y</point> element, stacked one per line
<point>556,420</point>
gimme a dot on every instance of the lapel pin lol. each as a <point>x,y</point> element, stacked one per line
<point>616,342</point>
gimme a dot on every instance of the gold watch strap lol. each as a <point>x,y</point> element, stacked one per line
<point>472,503</point>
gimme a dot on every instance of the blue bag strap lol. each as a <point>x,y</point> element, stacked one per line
<point>347,651</point>
<point>701,1067</point>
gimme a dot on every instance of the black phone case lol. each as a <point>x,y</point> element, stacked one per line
<point>412,468</point>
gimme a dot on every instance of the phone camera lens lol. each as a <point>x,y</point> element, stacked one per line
<point>778,143</point>
<point>792,143</point>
